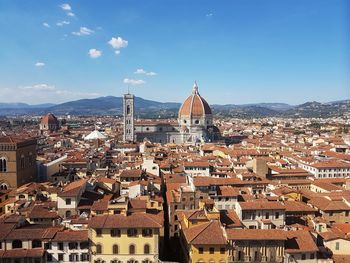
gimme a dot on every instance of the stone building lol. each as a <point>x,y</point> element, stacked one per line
<point>17,161</point>
<point>194,124</point>
<point>49,122</point>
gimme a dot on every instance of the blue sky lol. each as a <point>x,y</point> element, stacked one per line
<point>239,51</point>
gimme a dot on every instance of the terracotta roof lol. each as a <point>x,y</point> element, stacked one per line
<point>73,188</point>
<point>33,232</point>
<point>137,220</point>
<point>194,106</point>
<point>72,235</point>
<point>296,206</point>
<point>300,241</point>
<point>256,234</point>
<point>134,173</point>
<point>262,205</point>
<point>22,253</point>
<point>211,233</point>
<point>49,119</point>
<point>326,204</point>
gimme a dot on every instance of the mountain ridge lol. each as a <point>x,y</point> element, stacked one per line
<point>111,105</point>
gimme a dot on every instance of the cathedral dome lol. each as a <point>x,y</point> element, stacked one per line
<point>194,106</point>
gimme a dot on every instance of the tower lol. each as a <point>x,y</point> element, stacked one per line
<point>128,112</point>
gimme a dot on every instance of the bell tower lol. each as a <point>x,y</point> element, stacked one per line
<point>128,112</point>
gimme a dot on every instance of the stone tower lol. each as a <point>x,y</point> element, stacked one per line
<point>128,112</point>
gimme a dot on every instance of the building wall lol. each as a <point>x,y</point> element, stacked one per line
<point>21,163</point>
<point>206,256</point>
<point>55,251</point>
<point>256,251</point>
<point>338,246</point>
<point>123,242</point>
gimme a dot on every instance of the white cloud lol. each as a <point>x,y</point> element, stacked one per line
<point>118,42</point>
<point>94,53</point>
<point>44,93</point>
<point>209,15</point>
<point>46,24</point>
<point>151,73</point>
<point>66,7</point>
<point>62,23</point>
<point>39,64</point>
<point>84,31</point>
<point>39,87</point>
<point>70,14</point>
<point>142,71</point>
<point>134,81</point>
<point>117,52</point>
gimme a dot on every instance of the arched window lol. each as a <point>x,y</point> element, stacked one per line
<point>98,249</point>
<point>16,244</point>
<point>36,243</point>
<point>115,249</point>
<point>128,109</point>
<point>132,249</point>
<point>146,249</point>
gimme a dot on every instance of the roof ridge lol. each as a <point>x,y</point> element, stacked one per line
<point>209,223</point>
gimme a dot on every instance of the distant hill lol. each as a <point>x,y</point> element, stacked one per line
<point>111,105</point>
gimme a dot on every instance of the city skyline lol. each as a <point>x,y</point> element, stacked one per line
<point>239,52</point>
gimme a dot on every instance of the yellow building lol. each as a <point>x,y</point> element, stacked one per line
<point>129,239</point>
<point>202,240</point>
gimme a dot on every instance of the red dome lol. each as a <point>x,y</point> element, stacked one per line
<point>194,105</point>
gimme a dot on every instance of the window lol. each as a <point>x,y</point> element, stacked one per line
<point>60,246</point>
<point>337,245</point>
<point>68,201</point>
<point>3,165</point>
<point>267,216</point>
<point>73,257</point>
<point>128,109</point>
<point>49,257</point>
<point>98,232</point>
<point>16,244</point>
<point>115,232</point>
<point>48,245</point>
<point>222,250</point>
<point>132,249</point>
<point>303,256</point>
<point>115,249</point>
<point>196,122</point>
<point>68,213</point>
<point>36,243</point>
<point>98,249</point>
<point>60,257</point>
<point>132,232</point>
<point>73,245</point>
<point>146,249</point>
<point>277,215</point>
<point>200,250</point>
<point>211,250</point>
<point>84,257</point>
<point>312,256</point>
<point>84,245</point>
<point>22,162</point>
<point>147,232</point>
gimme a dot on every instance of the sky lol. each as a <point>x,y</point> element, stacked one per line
<point>238,51</point>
